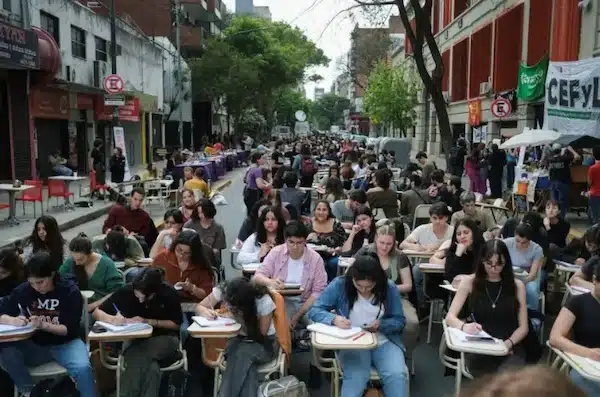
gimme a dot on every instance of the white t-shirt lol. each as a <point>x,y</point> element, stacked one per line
<point>364,313</point>
<point>248,143</point>
<point>424,235</point>
<point>295,270</point>
<point>264,307</point>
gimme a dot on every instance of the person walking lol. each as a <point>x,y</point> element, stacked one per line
<point>497,160</point>
<point>559,163</point>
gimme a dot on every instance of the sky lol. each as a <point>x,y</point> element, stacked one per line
<point>333,38</point>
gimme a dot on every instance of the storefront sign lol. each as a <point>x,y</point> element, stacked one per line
<point>18,46</point>
<point>531,80</point>
<point>475,112</point>
<point>572,102</point>
<point>114,100</point>
<point>130,111</point>
<point>50,104</point>
<point>85,101</point>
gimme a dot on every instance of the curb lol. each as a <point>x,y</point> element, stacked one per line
<point>70,224</point>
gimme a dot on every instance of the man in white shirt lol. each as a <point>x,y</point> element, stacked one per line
<point>248,142</point>
<point>428,238</point>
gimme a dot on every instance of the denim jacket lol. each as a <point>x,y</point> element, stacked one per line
<point>334,298</point>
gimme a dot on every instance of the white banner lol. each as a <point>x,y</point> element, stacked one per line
<point>119,133</point>
<point>572,99</point>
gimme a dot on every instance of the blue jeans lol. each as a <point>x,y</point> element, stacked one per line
<point>594,209</point>
<point>62,170</point>
<point>16,357</point>
<point>560,193</point>
<point>388,360</point>
<point>418,280</point>
<point>331,267</point>
<point>592,389</point>
<point>532,292</point>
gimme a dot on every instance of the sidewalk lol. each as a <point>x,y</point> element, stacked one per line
<point>71,219</point>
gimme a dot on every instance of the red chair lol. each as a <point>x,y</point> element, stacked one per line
<point>4,206</point>
<point>33,196</point>
<point>95,186</point>
<point>58,189</point>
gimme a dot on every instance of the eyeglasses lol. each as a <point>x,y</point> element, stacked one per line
<point>490,264</point>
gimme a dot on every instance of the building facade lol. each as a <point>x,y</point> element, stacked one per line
<point>319,92</point>
<point>482,44</point>
<point>244,7</point>
<point>263,12</point>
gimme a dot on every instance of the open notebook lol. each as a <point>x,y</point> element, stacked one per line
<point>334,331</point>
<point>123,328</point>
<point>218,322</point>
<point>464,337</point>
<point>7,329</point>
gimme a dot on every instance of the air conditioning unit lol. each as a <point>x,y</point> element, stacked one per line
<point>100,72</point>
<point>446,95</point>
<point>70,73</point>
<point>485,88</point>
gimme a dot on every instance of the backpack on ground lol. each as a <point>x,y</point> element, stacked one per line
<point>288,386</point>
<point>62,386</point>
<point>176,384</point>
<point>307,168</point>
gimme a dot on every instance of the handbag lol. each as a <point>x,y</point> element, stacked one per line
<point>288,386</point>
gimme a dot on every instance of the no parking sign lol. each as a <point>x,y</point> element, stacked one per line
<point>501,107</point>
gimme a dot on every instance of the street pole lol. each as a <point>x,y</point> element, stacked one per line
<point>113,55</point>
<point>178,79</point>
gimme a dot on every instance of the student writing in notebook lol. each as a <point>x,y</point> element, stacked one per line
<point>364,297</point>
<point>148,299</point>
<point>496,301</point>
<point>51,305</point>
<point>577,329</point>
<point>250,305</point>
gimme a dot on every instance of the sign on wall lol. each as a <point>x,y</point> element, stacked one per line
<point>531,80</point>
<point>572,101</point>
<point>501,107</point>
<point>475,112</point>
<point>18,46</point>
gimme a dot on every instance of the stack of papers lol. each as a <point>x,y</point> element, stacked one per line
<point>218,322</point>
<point>336,332</point>
<point>461,336</point>
<point>7,329</point>
<point>124,328</point>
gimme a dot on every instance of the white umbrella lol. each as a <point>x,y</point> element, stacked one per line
<point>531,137</point>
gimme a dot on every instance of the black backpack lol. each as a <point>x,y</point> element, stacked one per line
<point>176,384</point>
<point>62,386</point>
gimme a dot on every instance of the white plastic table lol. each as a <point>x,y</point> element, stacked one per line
<point>12,201</point>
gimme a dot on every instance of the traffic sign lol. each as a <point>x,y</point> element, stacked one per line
<point>501,107</point>
<point>114,100</point>
<point>113,84</point>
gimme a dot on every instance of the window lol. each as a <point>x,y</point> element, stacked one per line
<point>49,23</point>
<point>6,5</point>
<point>77,42</point>
<point>101,49</point>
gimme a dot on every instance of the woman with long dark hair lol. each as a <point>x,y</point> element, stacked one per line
<point>334,190</point>
<point>210,231</point>
<point>46,236</point>
<point>364,297</point>
<point>461,255</point>
<point>249,225</point>
<point>497,305</point>
<point>269,233</point>
<point>173,225</point>
<point>251,305</point>
<point>92,271</point>
<point>362,232</point>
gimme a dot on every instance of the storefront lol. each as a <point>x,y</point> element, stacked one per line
<point>129,119</point>
<point>52,131</point>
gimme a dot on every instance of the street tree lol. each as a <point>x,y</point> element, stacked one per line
<point>287,102</point>
<point>391,96</point>
<point>329,110</point>
<point>420,35</point>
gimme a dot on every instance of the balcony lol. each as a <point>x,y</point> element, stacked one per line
<point>214,6</point>
<point>202,3</point>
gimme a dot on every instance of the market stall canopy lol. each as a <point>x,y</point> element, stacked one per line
<point>531,137</point>
<point>578,141</point>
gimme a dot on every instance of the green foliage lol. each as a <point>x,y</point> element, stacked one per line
<point>329,110</point>
<point>391,96</point>
<point>251,63</point>
<point>287,102</point>
<point>251,122</point>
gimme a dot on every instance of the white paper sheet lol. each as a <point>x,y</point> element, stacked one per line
<point>218,322</point>
<point>334,331</point>
<point>461,336</point>
<point>4,329</point>
<point>123,328</point>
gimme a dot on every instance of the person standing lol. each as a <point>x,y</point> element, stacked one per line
<point>511,163</point>
<point>497,160</point>
<point>97,162</point>
<point>117,166</point>
<point>559,163</point>
<point>594,186</point>
<point>457,158</point>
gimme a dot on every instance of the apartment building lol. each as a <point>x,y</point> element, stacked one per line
<point>482,44</point>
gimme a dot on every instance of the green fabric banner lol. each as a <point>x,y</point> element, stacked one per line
<point>531,80</point>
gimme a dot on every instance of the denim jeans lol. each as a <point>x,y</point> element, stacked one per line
<point>532,292</point>
<point>594,209</point>
<point>331,267</point>
<point>62,170</point>
<point>560,193</point>
<point>592,389</point>
<point>418,280</point>
<point>388,360</point>
<point>16,357</point>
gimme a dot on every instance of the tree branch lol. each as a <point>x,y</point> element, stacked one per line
<point>334,17</point>
<point>374,4</point>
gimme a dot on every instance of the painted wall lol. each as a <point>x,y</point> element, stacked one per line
<point>172,93</point>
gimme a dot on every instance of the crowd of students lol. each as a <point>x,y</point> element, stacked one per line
<point>382,291</point>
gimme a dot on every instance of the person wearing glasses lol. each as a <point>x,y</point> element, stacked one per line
<point>495,301</point>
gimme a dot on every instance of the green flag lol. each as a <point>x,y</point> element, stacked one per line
<point>531,80</point>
